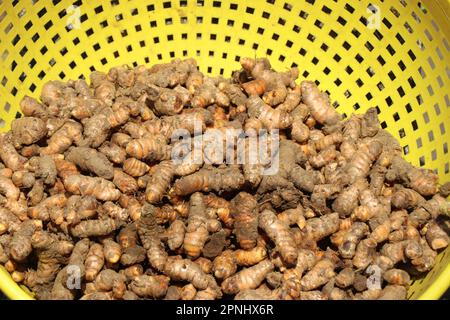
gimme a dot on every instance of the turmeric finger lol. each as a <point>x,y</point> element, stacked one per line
<point>278,231</point>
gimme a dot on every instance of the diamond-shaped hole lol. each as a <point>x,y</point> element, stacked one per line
<point>406,149</point>
<point>419,143</point>
<point>434,155</point>
<point>422,73</point>
<point>422,161</point>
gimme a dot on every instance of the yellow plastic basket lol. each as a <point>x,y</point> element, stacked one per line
<point>391,54</point>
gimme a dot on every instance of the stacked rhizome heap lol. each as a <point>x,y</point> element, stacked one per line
<point>94,205</point>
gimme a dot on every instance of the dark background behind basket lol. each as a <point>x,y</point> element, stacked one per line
<point>446,296</point>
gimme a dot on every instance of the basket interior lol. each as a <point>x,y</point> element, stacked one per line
<point>392,55</point>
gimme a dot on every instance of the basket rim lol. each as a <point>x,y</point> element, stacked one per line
<point>11,289</point>
<point>439,286</point>
<point>439,11</point>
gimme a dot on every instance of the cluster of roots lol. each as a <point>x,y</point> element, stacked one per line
<point>93,204</point>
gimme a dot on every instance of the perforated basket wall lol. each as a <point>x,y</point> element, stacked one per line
<point>400,66</point>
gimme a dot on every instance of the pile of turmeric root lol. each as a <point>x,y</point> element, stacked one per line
<point>92,205</point>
